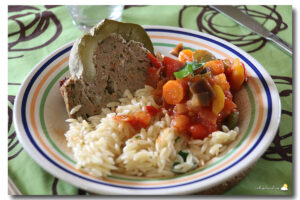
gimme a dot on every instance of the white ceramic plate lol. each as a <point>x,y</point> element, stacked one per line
<point>39,118</point>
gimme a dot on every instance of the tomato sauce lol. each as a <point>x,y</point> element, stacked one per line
<point>187,116</point>
<point>199,101</point>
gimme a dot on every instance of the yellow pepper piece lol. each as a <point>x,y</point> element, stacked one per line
<point>238,76</point>
<point>219,100</point>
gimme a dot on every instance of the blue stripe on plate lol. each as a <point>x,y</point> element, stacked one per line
<point>43,67</point>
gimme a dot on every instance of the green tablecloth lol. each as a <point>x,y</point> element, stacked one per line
<point>36,31</point>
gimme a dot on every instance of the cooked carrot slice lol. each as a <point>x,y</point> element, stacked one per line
<point>185,55</point>
<point>215,66</point>
<point>173,92</point>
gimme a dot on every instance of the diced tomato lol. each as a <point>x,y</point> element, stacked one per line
<point>198,131</point>
<point>211,81</point>
<point>143,118</point>
<point>137,121</point>
<point>154,60</point>
<point>152,76</point>
<point>221,80</point>
<point>181,108</point>
<point>228,73</point>
<point>212,127</point>
<point>181,122</point>
<point>152,110</point>
<point>171,65</point>
<point>207,116</point>
<point>229,106</point>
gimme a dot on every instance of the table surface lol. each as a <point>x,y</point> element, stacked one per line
<point>36,31</point>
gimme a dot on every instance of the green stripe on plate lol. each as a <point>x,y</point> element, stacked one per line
<point>42,109</point>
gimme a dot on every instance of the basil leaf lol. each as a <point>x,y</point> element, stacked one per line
<point>183,155</point>
<point>176,140</point>
<point>181,73</point>
<point>188,68</point>
<point>197,65</point>
<point>175,163</point>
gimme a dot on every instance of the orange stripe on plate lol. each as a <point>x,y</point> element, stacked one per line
<point>192,42</point>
